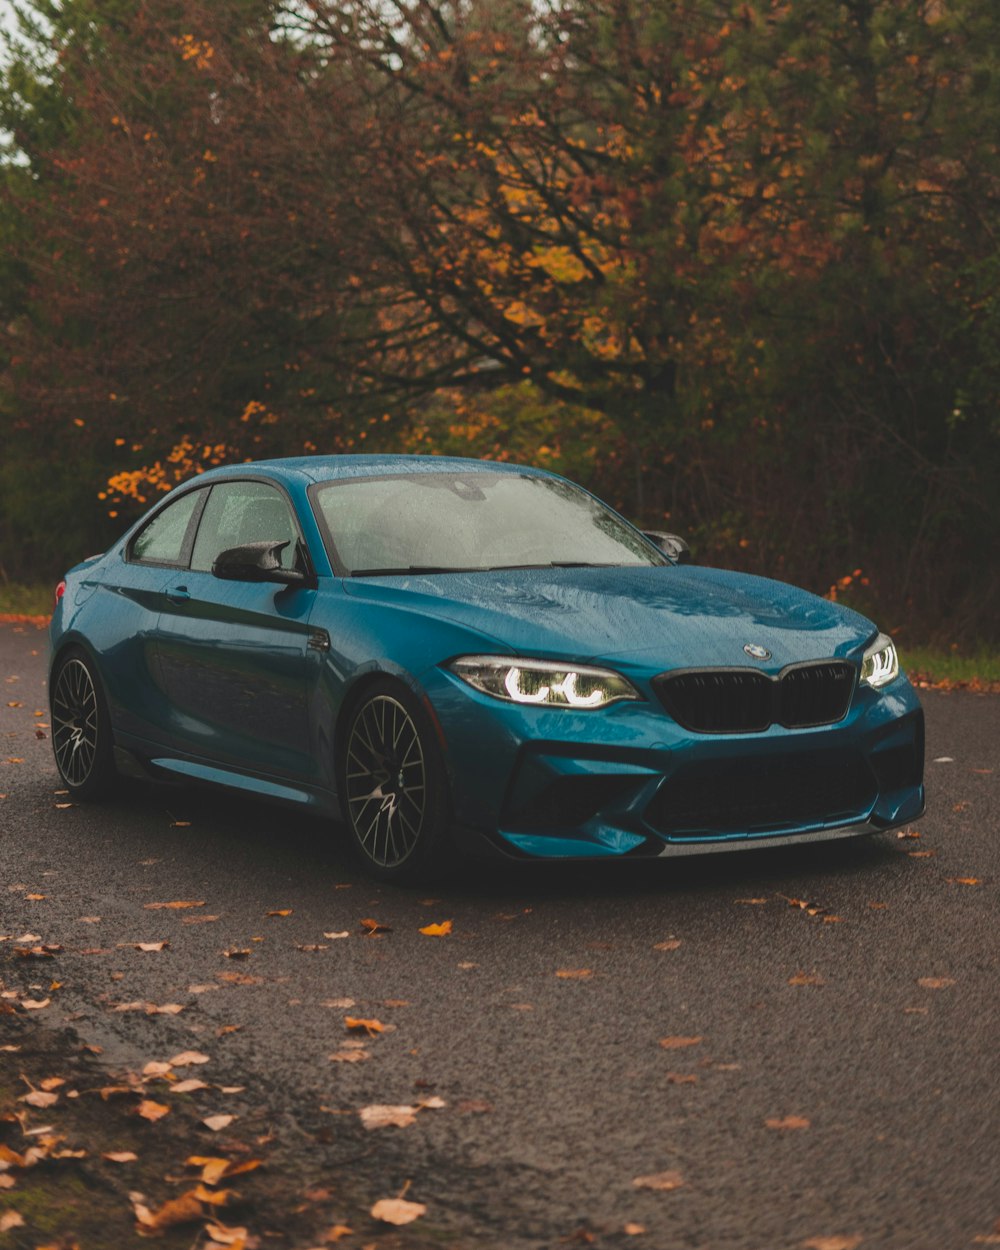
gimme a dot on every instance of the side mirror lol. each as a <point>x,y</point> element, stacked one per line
<point>257,562</point>
<point>671,545</point>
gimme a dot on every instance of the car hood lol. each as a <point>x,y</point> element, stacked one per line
<point>664,617</point>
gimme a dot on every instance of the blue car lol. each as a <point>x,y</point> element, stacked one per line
<point>455,655</point>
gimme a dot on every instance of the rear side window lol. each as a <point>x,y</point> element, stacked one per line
<point>166,538</point>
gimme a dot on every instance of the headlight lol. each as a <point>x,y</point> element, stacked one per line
<point>880,663</point>
<point>543,681</point>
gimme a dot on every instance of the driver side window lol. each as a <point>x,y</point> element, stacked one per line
<point>238,513</point>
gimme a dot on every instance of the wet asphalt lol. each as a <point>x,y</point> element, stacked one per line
<point>802,1072</point>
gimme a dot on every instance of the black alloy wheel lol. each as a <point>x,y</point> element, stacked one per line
<point>392,785</point>
<point>81,733</point>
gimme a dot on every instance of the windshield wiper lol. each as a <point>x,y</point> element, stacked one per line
<point>416,568</point>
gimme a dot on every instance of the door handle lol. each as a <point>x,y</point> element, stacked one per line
<point>178,594</point>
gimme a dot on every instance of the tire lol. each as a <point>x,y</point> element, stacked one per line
<point>81,727</point>
<point>394,794</point>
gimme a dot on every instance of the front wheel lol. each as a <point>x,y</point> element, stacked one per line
<point>392,785</point>
<point>81,728</point>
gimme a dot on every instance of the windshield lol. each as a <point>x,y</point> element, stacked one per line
<point>453,522</point>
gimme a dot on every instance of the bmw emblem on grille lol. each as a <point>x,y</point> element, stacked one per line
<point>757,652</point>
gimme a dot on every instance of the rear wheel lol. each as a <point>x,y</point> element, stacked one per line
<point>81,728</point>
<point>392,783</point>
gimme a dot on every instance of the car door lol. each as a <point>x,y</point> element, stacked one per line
<point>233,657</point>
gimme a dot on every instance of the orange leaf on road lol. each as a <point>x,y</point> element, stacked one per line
<point>660,1180</point>
<point>437,930</point>
<point>675,1043</point>
<point>397,1211</point>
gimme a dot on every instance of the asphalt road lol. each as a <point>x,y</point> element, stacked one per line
<point>808,1073</point>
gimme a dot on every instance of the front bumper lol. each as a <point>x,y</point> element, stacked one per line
<point>628,780</point>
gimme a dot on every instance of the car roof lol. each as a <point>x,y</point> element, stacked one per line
<point>332,468</point>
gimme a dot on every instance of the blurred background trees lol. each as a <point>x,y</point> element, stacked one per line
<point>734,266</point>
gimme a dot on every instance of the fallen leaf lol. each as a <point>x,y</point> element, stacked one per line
<point>387,1116</point>
<point>574,974</point>
<point>176,906</point>
<point>147,946</point>
<point>475,1106</point>
<point>371,1027</point>
<point>806,978</point>
<point>334,936</point>
<point>184,1209</point>
<point>397,1211</point>
<point>35,1004</point>
<point>437,930</point>
<point>39,1098</point>
<point>335,1233</point>
<point>935,983</point>
<point>188,1086</point>
<point>832,1243</point>
<point>198,919</point>
<point>312,948</point>
<point>632,1229</point>
<point>167,1009</point>
<point>788,1122</point>
<point>964,880</point>
<point>681,1078</point>
<point>671,944</point>
<point>659,1180</point>
<point>285,911</point>
<point>187,1057</point>
<point>218,1122</point>
<point>921,854</point>
<point>907,833</point>
<point>156,1067</point>
<point>675,1043</point>
<point>120,1156</point>
<point>372,926</point>
<point>224,1236</point>
<point>237,953</point>
<point>150,1110</point>
<point>9,1220</point>
<point>349,1056</point>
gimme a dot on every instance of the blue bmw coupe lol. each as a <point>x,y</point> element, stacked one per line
<point>455,655</point>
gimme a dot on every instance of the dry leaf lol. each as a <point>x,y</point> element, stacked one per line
<point>333,936</point>
<point>788,1122</point>
<point>35,1004</point>
<point>437,930</point>
<point>285,911</point>
<point>349,1056</point>
<point>660,1180</point>
<point>237,953</point>
<point>9,1220</point>
<point>120,1156</point>
<point>177,906</point>
<point>235,1238</point>
<point>184,1209</point>
<point>218,1122</point>
<point>675,1043</point>
<point>335,1233</point>
<point>386,1116</point>
<point>964,880</point>
<point>150,1110</point>
<point>632,1229</point>
<point>832,1243</point>
<point>681,1078</point>
<point>397,1211</point>
<point>187,1057</point>
<point>371,1027</point>
<point>312,948</point>
<point>806,978</point>
<point>156,1067</point>
<point>935,983</point>
<point>38,1098</point>
<point>372,926</point>
<point>147,946</point>
<point>189,1086</point>
<point>921,854</point>
<point>198,919</point>
<point>574,974</point>
<point>671,944</point>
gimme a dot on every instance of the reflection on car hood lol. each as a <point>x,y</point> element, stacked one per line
<point>669,617</point>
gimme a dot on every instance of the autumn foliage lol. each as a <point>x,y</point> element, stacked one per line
<point>732,265</point>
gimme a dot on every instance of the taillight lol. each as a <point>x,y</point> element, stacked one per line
<point>60,591</point>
